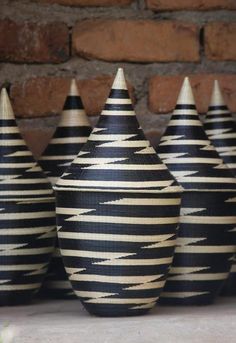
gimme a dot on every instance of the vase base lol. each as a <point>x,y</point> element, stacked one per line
<point>111,311</point>
<point>193,301</point>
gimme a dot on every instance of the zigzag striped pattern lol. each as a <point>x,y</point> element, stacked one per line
<point>117,213</point>
<point>27,214</point>
<point>206,240</point>
<point>71,134</point>
<point>221,130</point>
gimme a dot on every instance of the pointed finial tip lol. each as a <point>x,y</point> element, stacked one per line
<point>217,97</point>
<point>73,88</point>
<point>119,81</point>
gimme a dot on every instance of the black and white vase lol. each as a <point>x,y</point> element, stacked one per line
<point>206,239</point>
<point>27,215</point>
<point>117,214</point>
<point>71,134</point>
<point>221,130</point>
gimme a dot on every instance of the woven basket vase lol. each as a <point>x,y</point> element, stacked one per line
<point>206,240</point>
<point>71,134</point>
<point>27,224</point>
<point>117,214</point>
<point>221,130</point>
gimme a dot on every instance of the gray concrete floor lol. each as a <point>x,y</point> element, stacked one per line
<point>67,322</point>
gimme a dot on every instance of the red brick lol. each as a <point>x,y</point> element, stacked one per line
<point>32,42</point>
<point>163,91</point>
<point>199,5</point>
<point>45,96</point>
<point>136,40</point>
<point>36,139</point>
<point>88,2</point>
<point>220,38</point>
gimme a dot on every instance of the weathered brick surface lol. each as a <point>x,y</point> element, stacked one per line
<point>201,5</point>
<point>220,41</point>
<point>45,96</point>
<point>87,2</point>
<point>163,91</point>
<point>136,40</point>
<point>33,42</point>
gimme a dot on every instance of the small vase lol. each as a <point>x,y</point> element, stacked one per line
<point>117,214</point>
<point>27,224</point>
<point>206,241</point>
<point>221,130</point>
<point>71,134</point>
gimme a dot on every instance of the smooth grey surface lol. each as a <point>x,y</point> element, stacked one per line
<point>67,322</point>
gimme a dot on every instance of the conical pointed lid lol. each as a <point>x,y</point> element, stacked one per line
<point>20,176</point>
<point>221,128</point>
<point>71,134</point>
<point>117,155</point>
<point>187,151</point>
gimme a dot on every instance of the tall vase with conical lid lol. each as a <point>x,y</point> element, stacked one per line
<point>206,240</point>
<point>221,130</point>
<point>27,216</point>
<point>71,134</point>
<point>117,214</point>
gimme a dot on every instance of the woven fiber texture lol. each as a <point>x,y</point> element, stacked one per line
<point>206,240</point>
<point>71,134</point>
<point>27,224</point>
<point>221,130</point>
<point>117,214</point>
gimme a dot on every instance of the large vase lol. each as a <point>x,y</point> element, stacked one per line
<point>71,134</point>
<point>221,130</point>
<point>117,214</point>
<point>27,224</point>
<point>206,239</point>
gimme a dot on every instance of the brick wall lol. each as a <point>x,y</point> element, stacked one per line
<point>43,43</point>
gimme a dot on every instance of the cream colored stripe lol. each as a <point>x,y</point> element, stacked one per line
<point>161,244</point>
<point>113,237</point>
<point>26,215</point>
<point>8,177</point>
<point>185,142</point>
<point>126,144</point>
<point>9,129</point>
<point>94,254</point>
<point>231,165</point>
<point>31,251</point>
<point>149,285</point>
<point>12,142</point>
<point>224,136</point>
<point>150,305</point>
<point>73,211</point>
<point>20,153</point>
<point>170,189</point>
<point>24,181</point>
<point>69,140</point>
<point>121,301</point>
<point>199,277</point>
<point>146,151</point>
<point>115,279</point>
<point>136,262</point>
<point>74,270</point>
<point>19,287</point>
<point>144,201</point>
<point>124,220</point>
<point>128,167</point>
<point>186,270</point>
<point>74,118</point>
<point>208,249</point>
<point>184,122</point>
<point>34,192</point>
<point>117,113</point>
<point>185,111</point>
<point>219,111</point>
<point>11,246</point>
<point>226,148</point>
<point>208,220</point>
<point>183,241</point>
<point>97,160</point>
<point>57,157</point>
<point>165,138</point>
<point>93,295</point>
<point>109,137</point>
<point>181,295</point>
<point>228,153</point>
<point>218,120</point>
<point>118,101</point>
<point>113,184</point>
<point>22,267</point>
<point>194,160</point>
<point>18,165</point>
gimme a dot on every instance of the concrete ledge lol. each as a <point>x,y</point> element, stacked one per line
<point>67,322</point>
